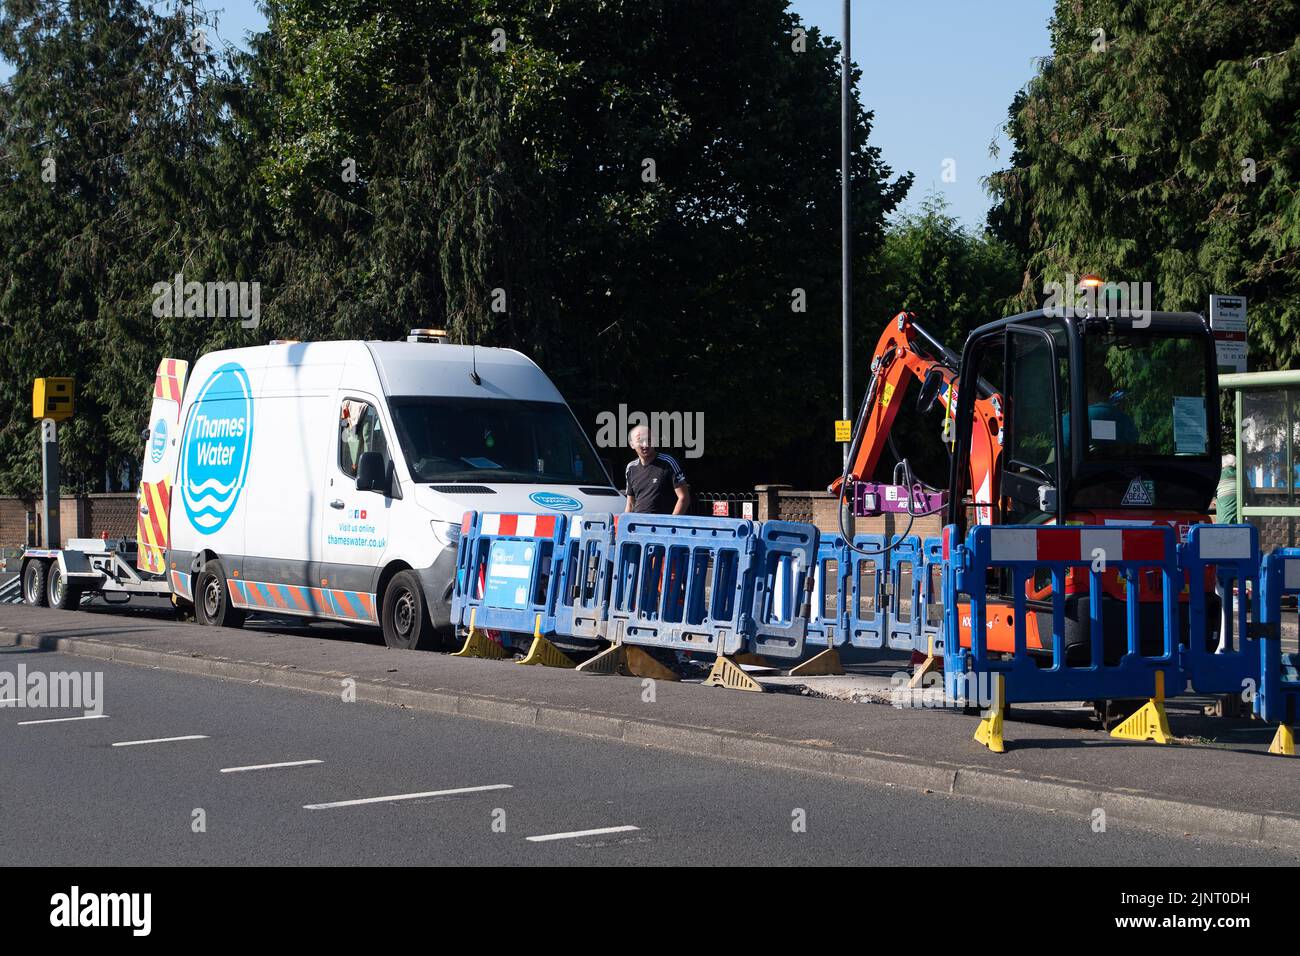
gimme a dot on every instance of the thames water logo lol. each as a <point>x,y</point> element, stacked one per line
<point>216,452</point>
<point>549,499</point>
<point>158,444</point>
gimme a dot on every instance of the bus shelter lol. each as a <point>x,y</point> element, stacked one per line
<point>1267,428</point>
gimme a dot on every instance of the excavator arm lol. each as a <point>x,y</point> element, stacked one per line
<point>906,351</point>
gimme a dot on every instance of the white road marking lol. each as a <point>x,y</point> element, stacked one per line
<point>160,740</point>
<point>269,766</point>
<point>60,720</point>
<point>405,796</point>
<point>580,833</point>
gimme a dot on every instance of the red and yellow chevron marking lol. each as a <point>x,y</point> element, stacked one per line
<point>181,584</point>
<point>167,383</point>
<point>295,599</point>
<point>152,531</point>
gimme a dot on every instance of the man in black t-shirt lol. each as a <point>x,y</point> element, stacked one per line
<point>655,482</point>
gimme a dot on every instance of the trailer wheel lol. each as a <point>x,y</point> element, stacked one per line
<point>405,616</point>
<point>58,592</point>
<point>212,599</point>
<point>34,572</point>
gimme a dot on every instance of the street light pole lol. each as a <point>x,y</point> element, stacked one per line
<point>846,247</point>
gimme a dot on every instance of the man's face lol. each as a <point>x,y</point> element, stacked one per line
<point>639,440</point>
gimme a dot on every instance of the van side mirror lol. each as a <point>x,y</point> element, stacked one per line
<point>371,473</point>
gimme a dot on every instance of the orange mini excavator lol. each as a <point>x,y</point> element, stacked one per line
<point>1055,417</point>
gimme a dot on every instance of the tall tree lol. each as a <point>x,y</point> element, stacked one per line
<point>1160,143</point>
<point>647,188</point>
<point>108,124</point>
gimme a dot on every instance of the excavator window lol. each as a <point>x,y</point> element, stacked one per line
<point>1146,395</point>
<point>1030,473</point>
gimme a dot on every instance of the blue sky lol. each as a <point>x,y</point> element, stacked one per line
<point>939,75</point>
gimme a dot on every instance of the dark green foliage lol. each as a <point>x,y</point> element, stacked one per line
<point>1135,161</point>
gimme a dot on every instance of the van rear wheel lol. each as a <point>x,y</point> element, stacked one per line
<point>405,616</point>
<point>212,599</point>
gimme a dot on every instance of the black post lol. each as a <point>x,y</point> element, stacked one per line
<point>50,531</point>
<point>846,246</point>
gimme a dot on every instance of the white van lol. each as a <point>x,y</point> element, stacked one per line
<point>328,479</point>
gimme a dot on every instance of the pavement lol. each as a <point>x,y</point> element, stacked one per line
<point>1217,783</point>
<point>178,769</point>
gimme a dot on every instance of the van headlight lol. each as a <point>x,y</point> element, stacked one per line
<point>446,532</point>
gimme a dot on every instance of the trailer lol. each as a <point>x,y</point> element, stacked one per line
<point>66,577</point>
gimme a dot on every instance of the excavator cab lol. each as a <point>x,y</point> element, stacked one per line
<point>1146,391</point>
<point>1103,420</point>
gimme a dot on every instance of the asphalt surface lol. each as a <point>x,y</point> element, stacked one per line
<point>70,797</point>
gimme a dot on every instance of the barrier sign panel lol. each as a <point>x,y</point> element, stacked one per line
<point>510,565</point>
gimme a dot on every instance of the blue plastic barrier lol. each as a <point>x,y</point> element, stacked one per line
<point>683,582</point>
<point>1232,664</point>
<point>1028,550</point>
<point>1279,687</point>
<point>903,621</point>
<point>931,609</point>
<point>582,608</point>
<point>508,571</point>
<point>866,604</point>
<point>828,618</point>
<point>784,563</point>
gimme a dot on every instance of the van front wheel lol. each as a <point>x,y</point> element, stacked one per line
<point>405,616</point>
<point>212,598</point>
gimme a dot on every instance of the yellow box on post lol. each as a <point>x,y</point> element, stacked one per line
<point>52,398</point>
<point>843,430</point>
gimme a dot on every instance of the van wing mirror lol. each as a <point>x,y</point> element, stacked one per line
<point>371,473</point>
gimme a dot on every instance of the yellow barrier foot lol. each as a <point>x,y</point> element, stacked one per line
<point>545,653</point>
<point>989,732</point>
<point>609,661</point>
<point>825,664</point>
<point>640,663</point>
<point>478,644</point>
<point>927,666</point>
<point>1283,741</point>
<point>627,661</point>
<point>1150,722</point>
<point>727,673</point>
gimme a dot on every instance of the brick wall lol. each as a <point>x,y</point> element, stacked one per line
<point>82,516</point>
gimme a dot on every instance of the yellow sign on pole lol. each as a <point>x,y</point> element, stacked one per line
<point>843,430</point>
<point>52,398</point>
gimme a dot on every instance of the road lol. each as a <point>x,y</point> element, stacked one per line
<point>70,797</point>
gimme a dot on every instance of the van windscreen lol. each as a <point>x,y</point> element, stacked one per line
<point>489,439</point>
